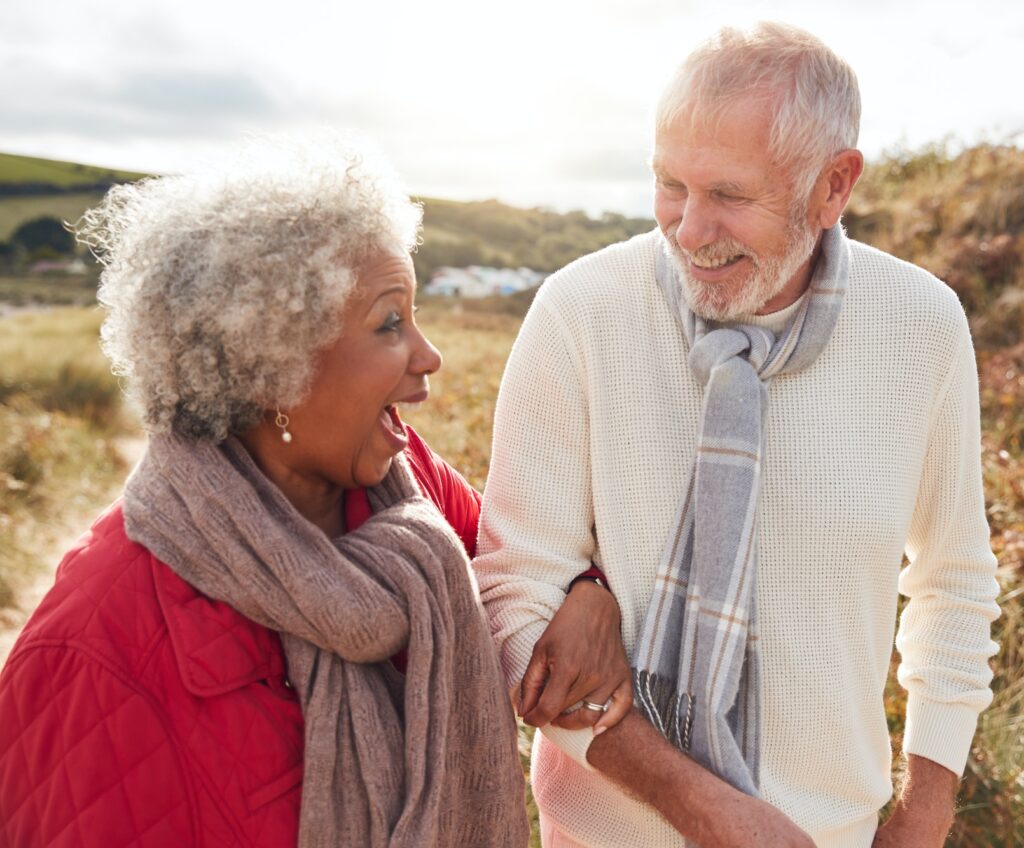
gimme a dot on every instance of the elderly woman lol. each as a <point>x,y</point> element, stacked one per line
<point>274,638</point>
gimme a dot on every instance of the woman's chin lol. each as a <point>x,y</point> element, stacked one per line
<point>374,476</point>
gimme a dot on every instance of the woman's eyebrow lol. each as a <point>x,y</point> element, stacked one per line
<point>398,288</point>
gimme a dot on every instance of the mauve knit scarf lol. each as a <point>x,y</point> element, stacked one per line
<point>425,760</point>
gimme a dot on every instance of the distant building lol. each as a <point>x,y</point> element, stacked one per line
<point>480,281</point>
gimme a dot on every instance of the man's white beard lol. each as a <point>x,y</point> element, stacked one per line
<point>726,302</point>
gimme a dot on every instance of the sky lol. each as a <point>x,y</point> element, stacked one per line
<point>537,102</point>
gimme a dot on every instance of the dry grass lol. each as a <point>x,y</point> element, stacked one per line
<point>962,218</point>
<point>60,411</point>
<point>457,420</point>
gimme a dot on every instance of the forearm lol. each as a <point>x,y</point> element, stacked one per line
<point>924,811</point>
<point>928,794</point>
<point>640,760</point>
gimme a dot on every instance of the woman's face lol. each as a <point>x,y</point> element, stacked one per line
<point>346,432</point>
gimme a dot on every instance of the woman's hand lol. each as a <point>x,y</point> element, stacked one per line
<point>579,658</point>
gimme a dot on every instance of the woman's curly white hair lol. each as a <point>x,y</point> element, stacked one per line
<point>222,285</point>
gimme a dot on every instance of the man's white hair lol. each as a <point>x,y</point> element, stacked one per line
<point>813,94</point>
<point>222,285</point>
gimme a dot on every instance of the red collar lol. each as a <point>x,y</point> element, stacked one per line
<point>217,648</point>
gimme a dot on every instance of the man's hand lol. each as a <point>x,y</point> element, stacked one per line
<point>580,657</point>
<point>924,812</point>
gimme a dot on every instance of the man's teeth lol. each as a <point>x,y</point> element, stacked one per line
<point>710,264</point>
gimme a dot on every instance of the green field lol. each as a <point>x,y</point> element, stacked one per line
<point>14,211</point>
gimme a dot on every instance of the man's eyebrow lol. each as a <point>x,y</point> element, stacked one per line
<point>659,170</point>
<point>729,187</point>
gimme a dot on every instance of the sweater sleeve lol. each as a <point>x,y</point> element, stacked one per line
<point>944,636</point>
<point>536,524</point>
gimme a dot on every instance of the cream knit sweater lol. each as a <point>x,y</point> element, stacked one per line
<point>871,452</point>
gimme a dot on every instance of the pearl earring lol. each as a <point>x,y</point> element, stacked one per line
<point>282,421</point>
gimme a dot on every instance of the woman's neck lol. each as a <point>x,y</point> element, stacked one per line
<point>317,500</point>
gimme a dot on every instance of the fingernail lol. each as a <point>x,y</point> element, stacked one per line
<point>599,730</point>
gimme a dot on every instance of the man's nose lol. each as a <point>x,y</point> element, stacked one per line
<point>698,225</point>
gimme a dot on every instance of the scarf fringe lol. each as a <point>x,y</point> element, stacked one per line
<point>670,711</point>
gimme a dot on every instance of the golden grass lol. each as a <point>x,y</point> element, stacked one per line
<point>456,421</point>
<point>60,411</point>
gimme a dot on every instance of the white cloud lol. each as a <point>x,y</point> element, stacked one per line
<point>538,102</point>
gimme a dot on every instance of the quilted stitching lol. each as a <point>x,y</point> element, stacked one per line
<point>103,742</point>
<point>64,709</point>
<point>136,712</point>
<point>217,649</point>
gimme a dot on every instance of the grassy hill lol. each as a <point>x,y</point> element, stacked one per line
<point>69,206</point>
<point>960,216</point>
<point>20,175</point>
<point>31,187</point>
<point>455,233</point>
<point>488,232</point>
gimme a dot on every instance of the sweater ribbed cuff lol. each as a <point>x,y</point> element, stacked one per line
<point>515,656</point>
<point>941,732</point>
<point>574,743</point>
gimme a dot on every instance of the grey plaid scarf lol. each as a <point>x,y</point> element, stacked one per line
<point>696,665</point>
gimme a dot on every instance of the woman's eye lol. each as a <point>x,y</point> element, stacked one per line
<point>391,323</point>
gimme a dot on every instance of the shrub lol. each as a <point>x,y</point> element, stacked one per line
<point>44,232</point>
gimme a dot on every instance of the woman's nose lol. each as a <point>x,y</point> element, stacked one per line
<point>426,358</point>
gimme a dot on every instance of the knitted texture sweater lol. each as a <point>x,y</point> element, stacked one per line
<point>872,453</point>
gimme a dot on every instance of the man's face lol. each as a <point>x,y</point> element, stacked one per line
<point>741,242</point>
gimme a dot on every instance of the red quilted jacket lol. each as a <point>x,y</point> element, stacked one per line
<point>136,711</point>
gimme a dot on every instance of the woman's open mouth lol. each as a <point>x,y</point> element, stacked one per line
<point>393,428</point>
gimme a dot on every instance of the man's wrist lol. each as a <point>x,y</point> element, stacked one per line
<point>928,799</point>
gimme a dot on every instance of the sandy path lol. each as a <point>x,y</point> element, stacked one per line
<point>131,449</point>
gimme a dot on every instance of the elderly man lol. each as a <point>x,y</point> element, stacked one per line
<point>746,419</point>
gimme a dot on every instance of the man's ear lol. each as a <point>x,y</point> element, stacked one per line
<point>837,182</point>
